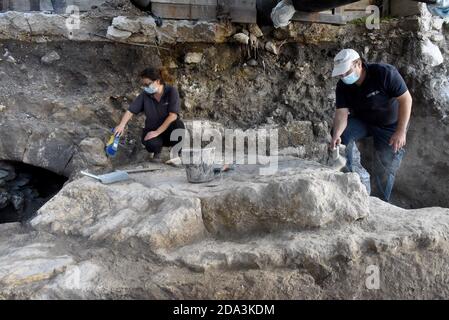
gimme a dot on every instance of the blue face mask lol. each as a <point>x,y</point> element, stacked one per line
<point>351,79</point>
<point>151,89</point>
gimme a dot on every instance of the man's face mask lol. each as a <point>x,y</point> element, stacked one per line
<point>352,78</point>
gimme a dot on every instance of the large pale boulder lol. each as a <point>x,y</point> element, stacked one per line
<point>123,211</point>
<point>165,211</point>
<point>317,197</point>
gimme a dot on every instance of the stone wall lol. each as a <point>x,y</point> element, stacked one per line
<point>57,93</point>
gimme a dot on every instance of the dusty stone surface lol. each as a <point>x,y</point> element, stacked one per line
<point>74,251</point>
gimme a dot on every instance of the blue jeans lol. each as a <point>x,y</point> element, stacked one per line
<point>386,162</point>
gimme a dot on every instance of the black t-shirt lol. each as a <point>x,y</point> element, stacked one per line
<point>373,102</point>
<point>156,112</point>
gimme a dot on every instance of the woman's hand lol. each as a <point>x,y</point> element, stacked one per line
<point>151,135</point>
<point>119,129</point>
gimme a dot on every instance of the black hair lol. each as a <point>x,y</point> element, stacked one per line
<point>153,74</point>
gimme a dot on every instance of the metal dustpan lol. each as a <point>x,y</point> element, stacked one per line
<point>116,176</point>
<point>109,178</point>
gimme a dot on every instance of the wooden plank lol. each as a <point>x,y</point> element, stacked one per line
<point>184,11</point>
<point>358,6</point>
<point>338,10</point>
<point>85,5</point>
<point>319,5</point>
<point>187,2</point>
<point>353,15</point>
<point>319,17</point>
<point>336,19</point>
<point>46,5</point>
<point>243,16</point>
<point>239,11</point>
<point>338,16</point>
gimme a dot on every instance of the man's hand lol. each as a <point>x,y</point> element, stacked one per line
<point>335,142</point>
<point>398,140</point>
<point>119,129</point>
<point>151,135</point>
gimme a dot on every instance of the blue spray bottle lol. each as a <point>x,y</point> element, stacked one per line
<point>112,146</point>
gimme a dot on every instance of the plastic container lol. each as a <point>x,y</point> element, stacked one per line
<point>112,146</point>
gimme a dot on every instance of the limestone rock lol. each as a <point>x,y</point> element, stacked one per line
<point>431,53</point>
<point>255,30</point>
<point>52,149</point>
<point>114,33</point>
<point>193,57</point>
<point>252,63</point>
<point>50,57</point>
<point>437,37</point>
<point>93,151</point>
<point>260,206</point>
<point>128,24</point>
<point>241,38</point>
<point>272,48</point>
<point>23,264</point>
<point>11,59</point>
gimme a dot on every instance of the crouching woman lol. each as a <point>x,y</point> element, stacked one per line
<point>161,105</point>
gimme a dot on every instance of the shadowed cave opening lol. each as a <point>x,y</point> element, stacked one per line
<point>24,189</point>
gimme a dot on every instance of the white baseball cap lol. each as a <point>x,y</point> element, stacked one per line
<point>343,61</point>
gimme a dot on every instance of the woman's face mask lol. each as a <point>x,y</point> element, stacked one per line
<point>151,89</point>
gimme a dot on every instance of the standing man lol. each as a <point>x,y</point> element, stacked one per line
<point>371,100</point>
<point>161,105</point>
